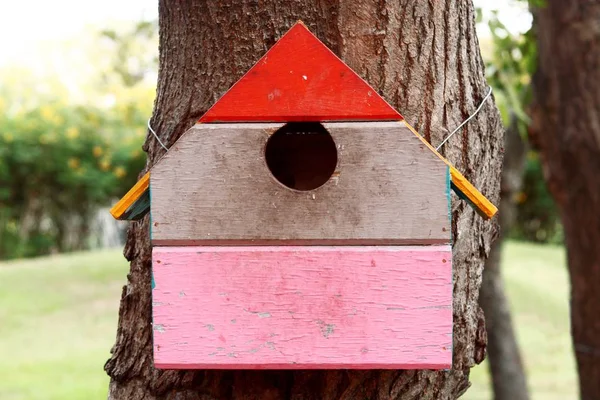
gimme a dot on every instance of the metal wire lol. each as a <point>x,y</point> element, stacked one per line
<point>156,136</point>
<point>466,120</point>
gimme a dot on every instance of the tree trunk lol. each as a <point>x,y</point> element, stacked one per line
<point>566,128</point>
<point>424,58</point>
<point>506,369</point>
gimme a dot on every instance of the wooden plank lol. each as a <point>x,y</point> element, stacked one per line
<point>300,79</point>
<point>135,204</point>
<point>302,307</point>
<point>461,185</point>
<point>214,186</point>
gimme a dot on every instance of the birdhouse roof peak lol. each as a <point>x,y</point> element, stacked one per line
<point>300,79</point>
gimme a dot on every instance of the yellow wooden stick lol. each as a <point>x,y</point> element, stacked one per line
<point>483,206</point>
<point>118,210</point>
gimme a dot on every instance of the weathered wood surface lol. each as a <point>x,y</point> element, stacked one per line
<point>214,185</point>
<point>300,79</point>
<point>302,307</point>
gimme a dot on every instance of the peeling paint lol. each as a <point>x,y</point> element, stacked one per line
<point>263,314</point>
<point>326,329</point>
<point>160,328</point>
<point>270,345</point>
<point>210,327</point>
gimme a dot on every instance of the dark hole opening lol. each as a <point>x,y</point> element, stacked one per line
<point>301,155</point>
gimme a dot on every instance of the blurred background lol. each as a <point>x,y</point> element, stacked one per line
<point>77,86</point>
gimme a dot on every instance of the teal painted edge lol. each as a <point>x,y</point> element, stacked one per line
<point>462,196</point>
<point>449,187</point>
<point>149,191</point>
<point>139,208</point>
<point>449,197</point>
<point>150,222</point>
<point>459,193</point>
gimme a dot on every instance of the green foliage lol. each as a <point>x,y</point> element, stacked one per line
<point>131,59</point>
<point>58,164</point>
<point>510,69</point>
<point>537,287</point>
<point>538,219</point>
<point>70,140</point>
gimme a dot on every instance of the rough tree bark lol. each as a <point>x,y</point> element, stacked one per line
<point>424,58</point>
<point>566,129</point>
<point>506,368</point>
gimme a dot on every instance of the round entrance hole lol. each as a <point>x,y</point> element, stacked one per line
<point>301,155</point>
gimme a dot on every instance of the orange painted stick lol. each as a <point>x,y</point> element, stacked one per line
<point>482,205</point>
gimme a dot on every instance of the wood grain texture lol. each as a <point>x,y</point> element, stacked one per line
<point>214,185</point>
<point>300,79</point>
<point>302,307</point>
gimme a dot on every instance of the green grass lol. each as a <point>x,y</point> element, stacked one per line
<point>58,319</point>
<point>57,324</point>
<point>538,290</point>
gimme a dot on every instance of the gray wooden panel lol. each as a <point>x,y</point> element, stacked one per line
<point>214,187</point>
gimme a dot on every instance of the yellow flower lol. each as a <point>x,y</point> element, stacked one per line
<point>520,197</point>
<point>47,113</point>
<point>120,172</point>
<point>47,138</point>
<point>105,164</point>
<point>74,163</point>
<point>94,120</point>
<point>12,226</point>
<point>72,132</point>
<point>97,151</point>
<point>58,120</point>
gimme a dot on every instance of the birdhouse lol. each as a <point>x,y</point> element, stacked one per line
<point>301,224</point>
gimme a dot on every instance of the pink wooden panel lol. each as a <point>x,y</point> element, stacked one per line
<point>302,307</point>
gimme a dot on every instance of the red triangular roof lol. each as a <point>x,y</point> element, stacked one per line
<point>300,79</point>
